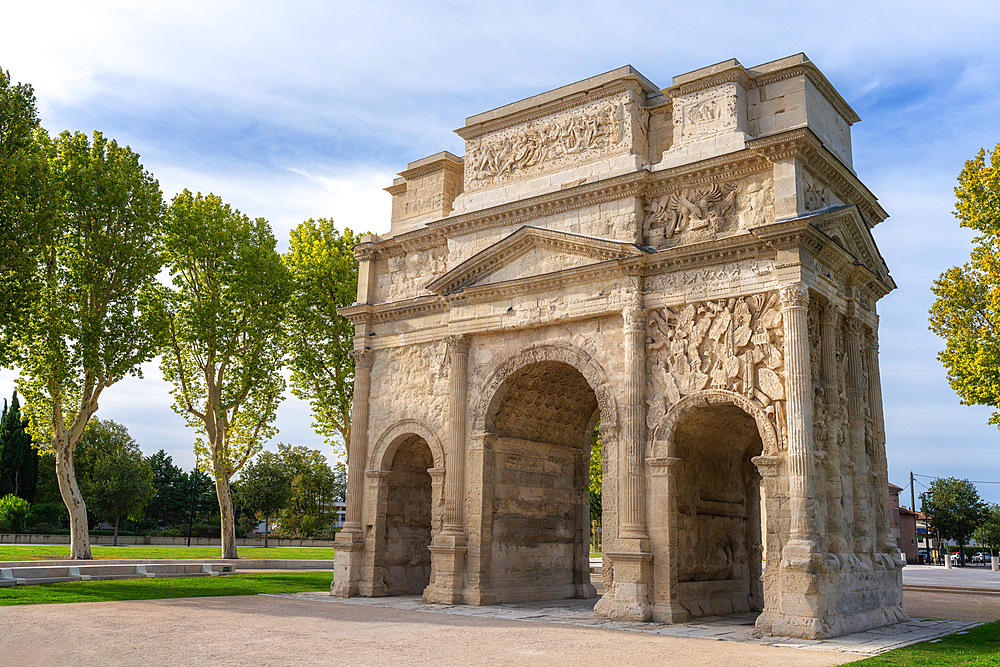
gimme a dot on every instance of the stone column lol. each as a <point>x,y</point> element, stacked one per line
<point>633,515</point>
<point>449,549</point>
<point>350,540</point>
<point>856,394</point>
<point>631,560</point>
<point>880,472</point>
<point>481,468</point>
<point>773,539</point>
<point>458,368</point>
<point>798,394</point>
<point>835,511</point>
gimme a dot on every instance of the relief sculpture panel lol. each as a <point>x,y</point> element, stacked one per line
<point>548,143</point>
<point>735,344</point>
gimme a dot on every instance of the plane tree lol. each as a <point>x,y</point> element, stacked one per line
<point>225,345</point>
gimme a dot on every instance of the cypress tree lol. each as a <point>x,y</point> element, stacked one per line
<point>18,459</point>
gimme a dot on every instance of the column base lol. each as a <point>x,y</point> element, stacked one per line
<point>670,612</point>
<point>447,570</point>
<point>628,598</point>
<point>347,564</point>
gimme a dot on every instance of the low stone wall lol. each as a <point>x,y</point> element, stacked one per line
<point>105,540</point>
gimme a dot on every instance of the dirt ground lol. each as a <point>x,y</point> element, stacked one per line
<point>265,630</point>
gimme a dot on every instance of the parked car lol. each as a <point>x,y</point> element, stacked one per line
<point>981,557</point>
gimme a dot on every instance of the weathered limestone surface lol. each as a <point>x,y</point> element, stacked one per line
<point>690,271</point>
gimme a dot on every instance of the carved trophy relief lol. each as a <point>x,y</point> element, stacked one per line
<point>816,196</point>
<point>408,276</point>
<point>708,209</point>
<point>712,277</point>
<point>735,344</point>
<point>546,142</point>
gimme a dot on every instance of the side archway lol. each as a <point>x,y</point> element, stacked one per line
<point>662,444</point>
<point>392,437</point>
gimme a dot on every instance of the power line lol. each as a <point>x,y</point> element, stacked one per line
<point>971,480</point>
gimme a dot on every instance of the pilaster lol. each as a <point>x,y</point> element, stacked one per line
<point>350,540</point>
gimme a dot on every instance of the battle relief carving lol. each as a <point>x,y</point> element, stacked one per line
<point>546,143</point>
<point>735,344</point>
<point>711,208</point>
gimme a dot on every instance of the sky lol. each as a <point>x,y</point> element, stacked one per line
<point>298,110</point>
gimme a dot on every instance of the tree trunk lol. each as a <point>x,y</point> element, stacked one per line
<point>116,530</point>
<point>266,530</point>
<point>226,516</point>
<point>79,536</point>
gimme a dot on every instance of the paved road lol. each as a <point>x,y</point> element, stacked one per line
<point>960,577</point>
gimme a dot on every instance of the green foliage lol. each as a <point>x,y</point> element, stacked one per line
<point>171,501</point>
<point>954,508</point>
<point>227,307</point>
<point>975,647</point>
<point>18,459</point>
<point>25,206</point>
<point>13,512</point>
<point>163,588</point>
<point>596,476</point>
<point>988,532</point>
<point>320,340</point>
<point>121,482</point>
<point>265,487</point>
<point>315,489</point>
<point>967,309</point>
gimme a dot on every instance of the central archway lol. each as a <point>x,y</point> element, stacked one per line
<point>542,417</point>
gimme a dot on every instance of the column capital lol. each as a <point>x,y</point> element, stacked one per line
<point>795,295</point>
<point>829,314</point>
<point>635,319</point>
<point>458,344</point>
<point>852,328</point>
<point>363,357</point>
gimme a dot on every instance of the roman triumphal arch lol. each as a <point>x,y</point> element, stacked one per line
<point>691,271</point>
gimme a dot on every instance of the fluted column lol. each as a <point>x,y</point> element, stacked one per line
<point>357,453</point>
<point>795,304</point>
<point>880,472</point>
<point>856,395</point>
<point>633,515</point>
<point>458,357</point>
<point>834,509</point>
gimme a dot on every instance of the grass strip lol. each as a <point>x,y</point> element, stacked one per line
<point>158,589</point>
<point>17,552</point>
<point>978,646</point>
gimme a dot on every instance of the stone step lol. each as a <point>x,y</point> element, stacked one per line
<point>23,574</point>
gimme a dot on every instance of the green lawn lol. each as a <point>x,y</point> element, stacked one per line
<point>979,646</point>
<point>61,551</point>
<point>158,589</point>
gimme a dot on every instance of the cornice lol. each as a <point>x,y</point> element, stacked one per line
<point>801,143</point>
<point>470,132</point>
<point>433,167</point>
<point>735,75</point>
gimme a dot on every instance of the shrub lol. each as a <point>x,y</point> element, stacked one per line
<point>53,514</point>
<point>13,512</point>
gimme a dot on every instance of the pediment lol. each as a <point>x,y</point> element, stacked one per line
<point>847,228</point>
<point>532,251</point>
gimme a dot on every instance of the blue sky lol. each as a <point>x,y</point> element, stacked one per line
<point>295,110</point>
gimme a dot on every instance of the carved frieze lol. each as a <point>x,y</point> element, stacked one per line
<point>547,143</point>
<point>706,211</point>
<point>707,208</point>
<point>735,344</point>
<point>816,196</point>
<point>709,278</point>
